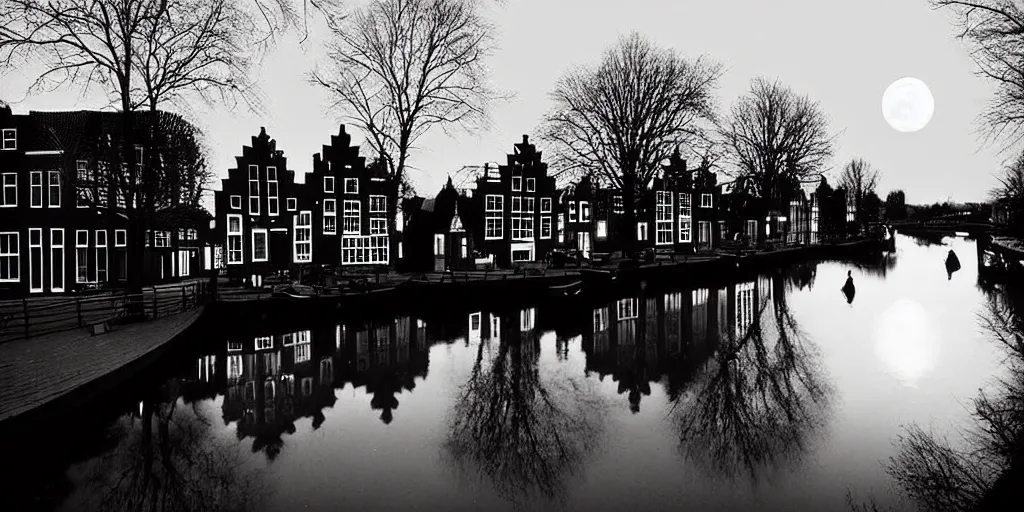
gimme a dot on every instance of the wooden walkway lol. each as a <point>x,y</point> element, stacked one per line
<point>41,369</point>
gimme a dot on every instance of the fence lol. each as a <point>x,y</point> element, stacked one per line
<point>31,317</point>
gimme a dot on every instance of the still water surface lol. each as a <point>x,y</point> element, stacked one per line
<point>774,394</point>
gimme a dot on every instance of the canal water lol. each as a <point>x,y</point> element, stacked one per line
<point>779,393</point>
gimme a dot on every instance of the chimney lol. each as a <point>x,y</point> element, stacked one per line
<point>263,131</point>
<point>526,139</point>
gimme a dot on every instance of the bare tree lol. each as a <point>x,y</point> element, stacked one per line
<point>995,30</point>
<point>1009,193</point>
<point>619,120</point>
<point>776,137</point>
<point>398,68</point>
<point>860,179</point>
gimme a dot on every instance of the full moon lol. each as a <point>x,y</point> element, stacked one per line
<point>908,105</point>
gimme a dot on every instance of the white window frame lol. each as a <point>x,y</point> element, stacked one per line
<point>263,343</point>
<point>529,204</point>
<point>292,204</point>
<point>12,185</point>
<point>236,233</point>
<point>685,217</point>
<point>102,258</point>
<point>13,254</point>
<point>33,186</point>
<point>266,245</point>
<point>572,211</point>
<point>273,190</point>
<point>641,231</point>
<point>663,218</point>
<point>522,228</point>
<point>706,201</point>
<point>330,213</point>
<point>235,202</point>
<point>602,229</point>
<point>302,227</point>
<point>355,185</point>
<point>254,201</point>
<point>584,211</point>
<point>161,238</point>
<point>351,213</point>
<point>381,205</point>
<point>79,246</point>
<point>517,204</point>
<point>9,139</point>
<point>618,205</point>
<point>83,194</point>
<point>50,185</point>
<point>122,235</point>
<point>517,184</point>
<point>54,248</point>
<point>38,246</point>
<point>545,205</point>
<point>365,250</point>
<point>328,184</point>
<point>531,184</point>
<point>545,227</point>
<point>494,210</point>
<point>702,226</point>
<point>378,226</point>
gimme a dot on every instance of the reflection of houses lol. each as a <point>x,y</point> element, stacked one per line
<point>436,236</point>
<point>517,206</point>
<point>273,380</point>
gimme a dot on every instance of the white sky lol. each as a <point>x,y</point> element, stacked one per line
<point>843,54</point>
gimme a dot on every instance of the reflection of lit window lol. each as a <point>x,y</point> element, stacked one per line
<point>307,386</point>
<point>234,366</point>
<point>250,391</point>
<point>234,346</point>
<point>600,319</point>
<point>527,319</point>
<point>495,327</point>
<point>326,371</point>
<point>627,309</point>
<point>288,383</point>
<point>602,229</point>
<point>302,353</point>
<point>475,331</point>
<point>264,343</point>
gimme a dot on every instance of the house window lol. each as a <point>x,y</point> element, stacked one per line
<point>82,256</point>
<point>35,260</point>
<point>328,184</point>
<point>330,216</point>
<point>36,182</point>
<point>705,201</point>
<point>703,232</point>
<point>10,139</point>
<point>162,239</point>
<point>531,184</point>
<point>438,245</point>
<point>517,204</point>
<point>561,229</point>
<point>522,228</point>
<point>545,226</point>
<point>572,211</point>
<point>584,211</point>
<point>351,219</point>
<point>273,203</point>
<point>617,205</point>
<point>663,218</point>
<point>378,226</point>
<point>292,204</point>
<point>602,229</point>
<point>101,256</point>
<point>517,181</point>
<point>627,309</point>
<point>493,210</point>
<point>234,239</point>
<point>54,189</point>
<point>722,232</point>
<point>57,260</point>
<point>351,185</point>
<point>378,204</point>
<point>521,255</point>
<point>545,205</point>
<point>83,184</point>
<point>366,250</point>
<point>641,231</point>
<point>10,263</point>
<point>529,203</point>
<point>254,190</point>
<point>120,238</point>
<point>685,218</point>
<point>264,343</point>
<point>464,248</point>
<point>10,196</point>
<point>303,230</point>
<point>259,245</point>
<point>236,202</point>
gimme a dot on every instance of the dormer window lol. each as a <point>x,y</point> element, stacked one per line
<point>10,139</point>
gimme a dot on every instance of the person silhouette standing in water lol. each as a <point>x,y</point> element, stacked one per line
<point>849,290</point>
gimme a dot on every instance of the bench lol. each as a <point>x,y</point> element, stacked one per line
<point>663,254</point>
<point>99,327</point>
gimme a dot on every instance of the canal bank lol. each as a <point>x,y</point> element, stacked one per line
<point>62,375</point>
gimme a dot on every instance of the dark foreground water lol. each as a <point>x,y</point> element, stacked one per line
<point>773,394</point>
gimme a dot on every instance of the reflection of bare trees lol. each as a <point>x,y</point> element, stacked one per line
<point>760,398</point>
<point>168,460</point>
<point>877,264</point>
<point>973,473</point>
<point>525,435</point>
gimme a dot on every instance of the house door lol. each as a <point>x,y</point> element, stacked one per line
<point>583,243</point>
<point>457,249</point>
<point>439,256</point>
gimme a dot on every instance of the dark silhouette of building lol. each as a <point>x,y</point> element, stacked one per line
<point>437,236</point>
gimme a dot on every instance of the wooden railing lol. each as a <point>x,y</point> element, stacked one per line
<point>33,316</point>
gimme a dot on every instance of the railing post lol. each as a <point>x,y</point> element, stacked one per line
<point>78,308</point>
<point>24,305</point>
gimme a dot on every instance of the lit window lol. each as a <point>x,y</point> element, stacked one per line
<point>602,229</point>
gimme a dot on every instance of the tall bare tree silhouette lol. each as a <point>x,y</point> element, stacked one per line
<point>761,397</point>
<point>525,435</point>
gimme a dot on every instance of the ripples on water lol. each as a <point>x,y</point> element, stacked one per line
<point>772,394</point>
